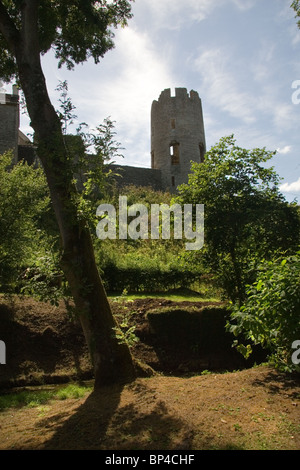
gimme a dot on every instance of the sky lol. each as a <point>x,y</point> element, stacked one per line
<point>241,56</point>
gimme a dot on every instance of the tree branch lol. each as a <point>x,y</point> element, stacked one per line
<point>8,29</point>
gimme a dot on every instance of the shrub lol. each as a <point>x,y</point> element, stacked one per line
<point>270,315</point>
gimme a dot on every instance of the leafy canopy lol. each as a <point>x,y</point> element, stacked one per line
<point>270,315</point>
<point>76,30</point>
<point>24,218</point>
<point>246,216</point>
<point>296,6</point>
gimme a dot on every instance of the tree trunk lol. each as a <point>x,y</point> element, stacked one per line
<point>112,361</point>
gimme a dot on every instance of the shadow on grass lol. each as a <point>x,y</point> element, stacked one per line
<point>109,421</point>
<point>276,381</point>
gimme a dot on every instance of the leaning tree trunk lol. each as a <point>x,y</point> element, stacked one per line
<point>112,361</point>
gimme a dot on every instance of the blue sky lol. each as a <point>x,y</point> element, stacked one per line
<point>241,56</point>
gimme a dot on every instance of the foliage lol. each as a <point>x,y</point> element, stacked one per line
<point>66,106</point>
<point>146,277</point>
<point>91,153</point>
<point>76,31</point>
<point>44,279</point>
<point>271,312</point>
<point>24,218</point>
<point>125,331</point>
<point>142,265</point>
<point>92,171</point>
<point>246,217</point>
<point>296,6</point>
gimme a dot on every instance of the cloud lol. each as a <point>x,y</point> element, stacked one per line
<point>263,65</point>
<point>228,87</point>
<point>291,187</point>
<point>172,14</point>
<point>244,4</point>
<point>284,150</point>
<point>222,87</point>
<point>130,78</point>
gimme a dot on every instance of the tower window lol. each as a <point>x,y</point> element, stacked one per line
<point>173,180</point>
<point>173,123</point>
<point>174,154</point>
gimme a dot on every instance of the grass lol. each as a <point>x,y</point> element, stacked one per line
<point>178,295</point>
<point>33,398</point>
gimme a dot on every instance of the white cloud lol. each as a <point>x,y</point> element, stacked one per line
<point>284,116</point>
<point>263,65</point>
<point>132,76</point>
<point>244,4</point>
<point>172,14</point>
<point>284,150</point>
<point>295,37</point>
<point>222,87</point>
<point>291,187</point>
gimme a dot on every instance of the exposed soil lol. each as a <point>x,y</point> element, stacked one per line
<point>176,408</point>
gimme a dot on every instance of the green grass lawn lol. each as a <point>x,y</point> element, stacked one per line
<point>175,296</point>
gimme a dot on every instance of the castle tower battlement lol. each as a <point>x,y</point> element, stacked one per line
<point>177,135</point>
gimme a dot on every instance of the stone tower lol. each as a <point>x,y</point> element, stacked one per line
<point>177,135</point>
<point>9,121</point>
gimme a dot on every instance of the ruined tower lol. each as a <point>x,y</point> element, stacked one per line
<point>9,121</point>
<point>177,135</point>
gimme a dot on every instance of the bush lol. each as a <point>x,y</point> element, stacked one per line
<point>146,278</point>
<point>25,215</point>
<point>143,264</point>
<point>270,315</point>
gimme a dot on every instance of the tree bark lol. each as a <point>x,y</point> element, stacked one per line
<point>112,361</point>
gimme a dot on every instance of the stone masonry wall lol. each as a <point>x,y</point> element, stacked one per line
<point>137,176</point>
<point>177,135</point>
<point>9,124</point>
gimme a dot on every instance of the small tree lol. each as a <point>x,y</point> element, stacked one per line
<point>24,208</point>
<point>271,312</point>
<point>66,112</point>
<point>246,217</point>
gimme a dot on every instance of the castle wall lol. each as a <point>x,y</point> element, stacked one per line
<point>9,123</point>
<point>177,138</point>
<point>177,135</point>
<point>137,176</point>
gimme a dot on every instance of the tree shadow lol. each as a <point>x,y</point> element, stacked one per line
<point>107,420</point>
<point>276,382</point>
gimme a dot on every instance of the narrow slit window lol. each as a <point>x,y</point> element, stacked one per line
<point>173,123</point>
<point>173,180</point>
<point>174,154</point>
